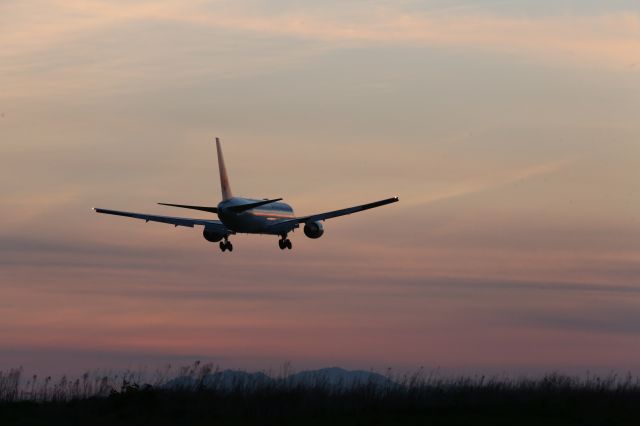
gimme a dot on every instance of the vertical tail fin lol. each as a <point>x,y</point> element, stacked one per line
<point>224,179</point>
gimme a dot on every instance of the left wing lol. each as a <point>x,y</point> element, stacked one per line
<point>328,215</point>
<point>214,225</point>
<point>184,206</point>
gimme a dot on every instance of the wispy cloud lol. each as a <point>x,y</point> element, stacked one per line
<point>484,183</point>
<point>95,46</point>
<point>612,39</point>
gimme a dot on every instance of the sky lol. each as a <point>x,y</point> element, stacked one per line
<point>509,130</point>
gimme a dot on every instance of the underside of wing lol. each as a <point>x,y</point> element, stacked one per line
<point>215,225</point>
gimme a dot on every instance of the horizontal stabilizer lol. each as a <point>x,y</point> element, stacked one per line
<point>244,207</point>
<point>204,209</point>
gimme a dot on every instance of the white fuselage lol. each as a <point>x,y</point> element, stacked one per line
<point>257,220</point>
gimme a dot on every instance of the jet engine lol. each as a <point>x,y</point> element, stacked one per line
<point>313,230</point>
<point>211,235</point>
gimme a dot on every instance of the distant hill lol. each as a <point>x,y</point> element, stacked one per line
<point>333,377</point>
<point>339,377</point>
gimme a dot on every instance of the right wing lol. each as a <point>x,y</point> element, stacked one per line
<point>214,225</point>
<point>287,225</point>
<point>349,210</point>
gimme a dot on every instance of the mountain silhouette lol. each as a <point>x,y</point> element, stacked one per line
<point>334,377</point>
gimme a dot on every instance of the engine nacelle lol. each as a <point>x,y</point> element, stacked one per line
<point>313,230</point>
<point>211,235</point>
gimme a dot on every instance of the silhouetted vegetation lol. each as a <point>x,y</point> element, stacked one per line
<point>200,394</point>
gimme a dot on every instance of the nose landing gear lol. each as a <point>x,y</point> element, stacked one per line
<point>226,245</point>
<point>284,243</point>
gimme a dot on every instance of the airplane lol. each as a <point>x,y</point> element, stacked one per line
<point>239,215</point>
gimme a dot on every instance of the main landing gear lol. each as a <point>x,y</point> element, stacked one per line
<point>226,245</point>
<point>284,243</point>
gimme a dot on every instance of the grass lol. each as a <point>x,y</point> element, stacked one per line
<point>143,398</point>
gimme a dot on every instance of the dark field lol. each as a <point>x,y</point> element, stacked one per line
<point>200,396</point>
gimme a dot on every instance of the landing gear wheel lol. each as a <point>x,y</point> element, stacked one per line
<point>226,245</point>
<point>281,244</point>
<point>287,243</point>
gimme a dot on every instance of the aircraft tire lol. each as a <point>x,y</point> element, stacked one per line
<point>229,246</point>
<point>288,244</point>
<point>223,246</point>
